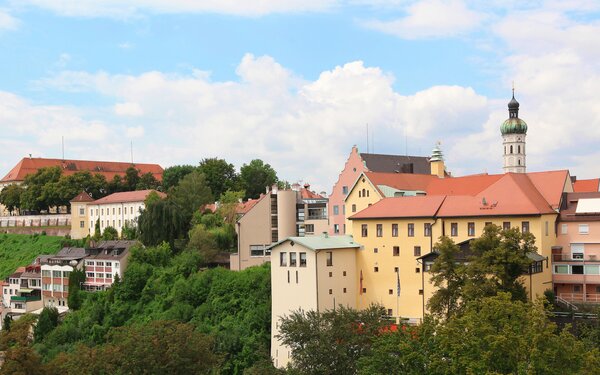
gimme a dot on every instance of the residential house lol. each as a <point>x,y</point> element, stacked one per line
<point>105,262</point>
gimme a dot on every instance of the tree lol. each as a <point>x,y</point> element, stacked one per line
<point>191,194</point>
<point>331,342</point>
<point>6,323</point>
<point>76,279</point>
<point>97,234</point>
<point>147,181</point>
<point>69,187</point>
<point>129,231</point>
<point>116,185</point>
<point>132,178</point>
<point>203,242</point>
<point>449,277</point>
<point>174,174</point>
<point>256,176</point>
<point>220,175</point>
<point>37,196</point>
<point>47,321</point>
<point>10,197</point>
<point>162,221</point>
<point>228,205</point>
<point>110,234</point>
<point>22,360</point>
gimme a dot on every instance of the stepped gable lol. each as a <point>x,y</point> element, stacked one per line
<point>108,169</point>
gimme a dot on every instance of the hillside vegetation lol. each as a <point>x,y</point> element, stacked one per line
<point>18,250</point>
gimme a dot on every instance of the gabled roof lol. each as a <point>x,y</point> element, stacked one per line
<point>307,194</point>
<point>422,206</point>
<point>396,163</point>
<point>82,197</point>
<point>108,169</point>
<point>127,196</point>
<point>322,242</point>
<point>550,184</point>
<point>584,186</point>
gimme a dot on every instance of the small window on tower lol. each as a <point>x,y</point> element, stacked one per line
<point>511,149</point>
<point>519,149</point>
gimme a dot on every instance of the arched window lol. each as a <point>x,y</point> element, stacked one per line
<point>367,193</point>
<point>359,193</point>
<point>519,161</point>
<point>363,191</point>
<point>511,149</point>
<point>519,149</point>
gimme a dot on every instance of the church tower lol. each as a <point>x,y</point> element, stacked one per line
<point>513,132</point>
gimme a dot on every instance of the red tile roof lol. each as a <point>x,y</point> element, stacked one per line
<point>307,194</point>
<point>82,197</point>
<point>127,196</point>
<point>587,186</point>
<point>478,195</point>
<point>401,181</point>
<point>108,169</point>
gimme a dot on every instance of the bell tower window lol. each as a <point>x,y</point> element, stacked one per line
<point>519,149</point>
<point>511,149</point>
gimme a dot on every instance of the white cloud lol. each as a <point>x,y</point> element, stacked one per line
<point>7,22</point>
<point>431,19</point>
<point>128,109</point>
<point>125,9</point>
<point>135,132</point>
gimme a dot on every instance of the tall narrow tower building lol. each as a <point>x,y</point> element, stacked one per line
<point>513,132</point>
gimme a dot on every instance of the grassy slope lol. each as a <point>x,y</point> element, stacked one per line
<point>21,249</point>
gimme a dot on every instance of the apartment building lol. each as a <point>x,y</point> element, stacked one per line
<point>310,273</point>
<point>55,276</point>
<point>105,262</point>
<point>358,163</point>
<point>273,217</point>
<point>576,256</point>
<point>116,210</point>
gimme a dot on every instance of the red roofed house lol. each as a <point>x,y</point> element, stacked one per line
<point>587,186</point>
<point>116,210</point>
<point>274,216</point>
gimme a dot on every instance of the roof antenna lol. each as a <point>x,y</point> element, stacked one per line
<point>131,146</point>
<point>63,147</point>
<point>367,137</point>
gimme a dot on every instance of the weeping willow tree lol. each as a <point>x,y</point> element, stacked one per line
<point>162,221</point>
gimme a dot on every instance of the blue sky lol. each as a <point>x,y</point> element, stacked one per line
<point>296,82</point>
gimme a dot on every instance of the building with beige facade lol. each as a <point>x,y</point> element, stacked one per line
<point>310,273</point>
<point>116,210</point>
<point>279,214</point>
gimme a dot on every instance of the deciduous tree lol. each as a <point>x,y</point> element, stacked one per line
<point>256,176</point>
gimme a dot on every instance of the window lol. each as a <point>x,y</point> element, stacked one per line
<point>117,265</point>
<point>417,270</point>
<point>282,259</point>
<point>592,269</point>
<point>108,264</point>
<point>471,229</point>
<point>396,269</point>
<point>302,259</point>
<point>506,225</point>
<point>375,269</point>
<point>584,229</point>
<point>364,290</point>
<point>330,291</point>
<point>292,259</point>
<point>396,251</point>
<point>100,264</point>
<point>577,250</point>
<point>427,229</point>
<point>257,250</point>
<point>100,275</point>
<point>394,230</point>
<point>353,208</point>
<point>427,266</point>
<point>102,211</point>
<point>390,291</point>
<point>336,210</point>
<point>109,275</point>
<point>309,228</point>
<point>454,229</point>
<point>81,224</point>
<point>546,228</point>
<point>131,210</point>
<point>411,230</point>
<point>536,267</point>
<point>564,229</point>
<point>345,190</point>
<point>561,269</point>
<point>420,292</point>
<point>375,250</point>
<point>363,230</point>
<point>296,277</point>
<point>367,193</point>
<point>330,274</point>
<point>344,210</point>
<point>344,290</point>
<point>119,223</point>
<point>56,274</point>
<point>336,228</point>
<point>417,251</point>
<point>46,273</point>
<point>329,259</point>
<point>577,270</point>
<point>288,276</point>
<point>344,273</point>
<point>81,211</point>
<point>66,274</point>
<point>90,274</point>
<point>379,230</point>
<point>525,227</point>
<point>488,223</point>
<point>56,287</point>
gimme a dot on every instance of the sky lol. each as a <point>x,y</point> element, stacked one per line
<point>297,83</point>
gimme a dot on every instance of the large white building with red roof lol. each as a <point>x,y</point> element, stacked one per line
<point>116,210</point>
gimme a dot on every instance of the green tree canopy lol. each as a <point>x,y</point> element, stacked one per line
<point>172,175</point>
<point>192,193</point>
<point>41,189</point>
<point>256,176</point>
<point>47,321</point>
<point>162,221</point>
<point>220,175</point>
<point>10,197</point>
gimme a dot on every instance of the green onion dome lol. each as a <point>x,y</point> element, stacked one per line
<point>513,126</point>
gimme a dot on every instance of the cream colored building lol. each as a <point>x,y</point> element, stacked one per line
<point>310,273</point>
<point>274,216</point>
<point>115,210</point>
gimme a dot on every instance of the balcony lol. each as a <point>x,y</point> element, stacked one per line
<point>570,258</point>
<point>25,298</point>
<point>317,217</point>
<point>580,297</point>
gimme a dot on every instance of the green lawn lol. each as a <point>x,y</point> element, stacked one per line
<point>21,249</point>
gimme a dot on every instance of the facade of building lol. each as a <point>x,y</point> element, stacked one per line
<point>576,256</point>
<point>310,273</point>
<point>55,276</point>
<point>104,263</point>
<point>108,169</point>
<point>358,163</point>
<point>116,210</point>
<point>274,216</point>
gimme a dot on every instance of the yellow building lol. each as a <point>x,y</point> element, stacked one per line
<point>397,232</point>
